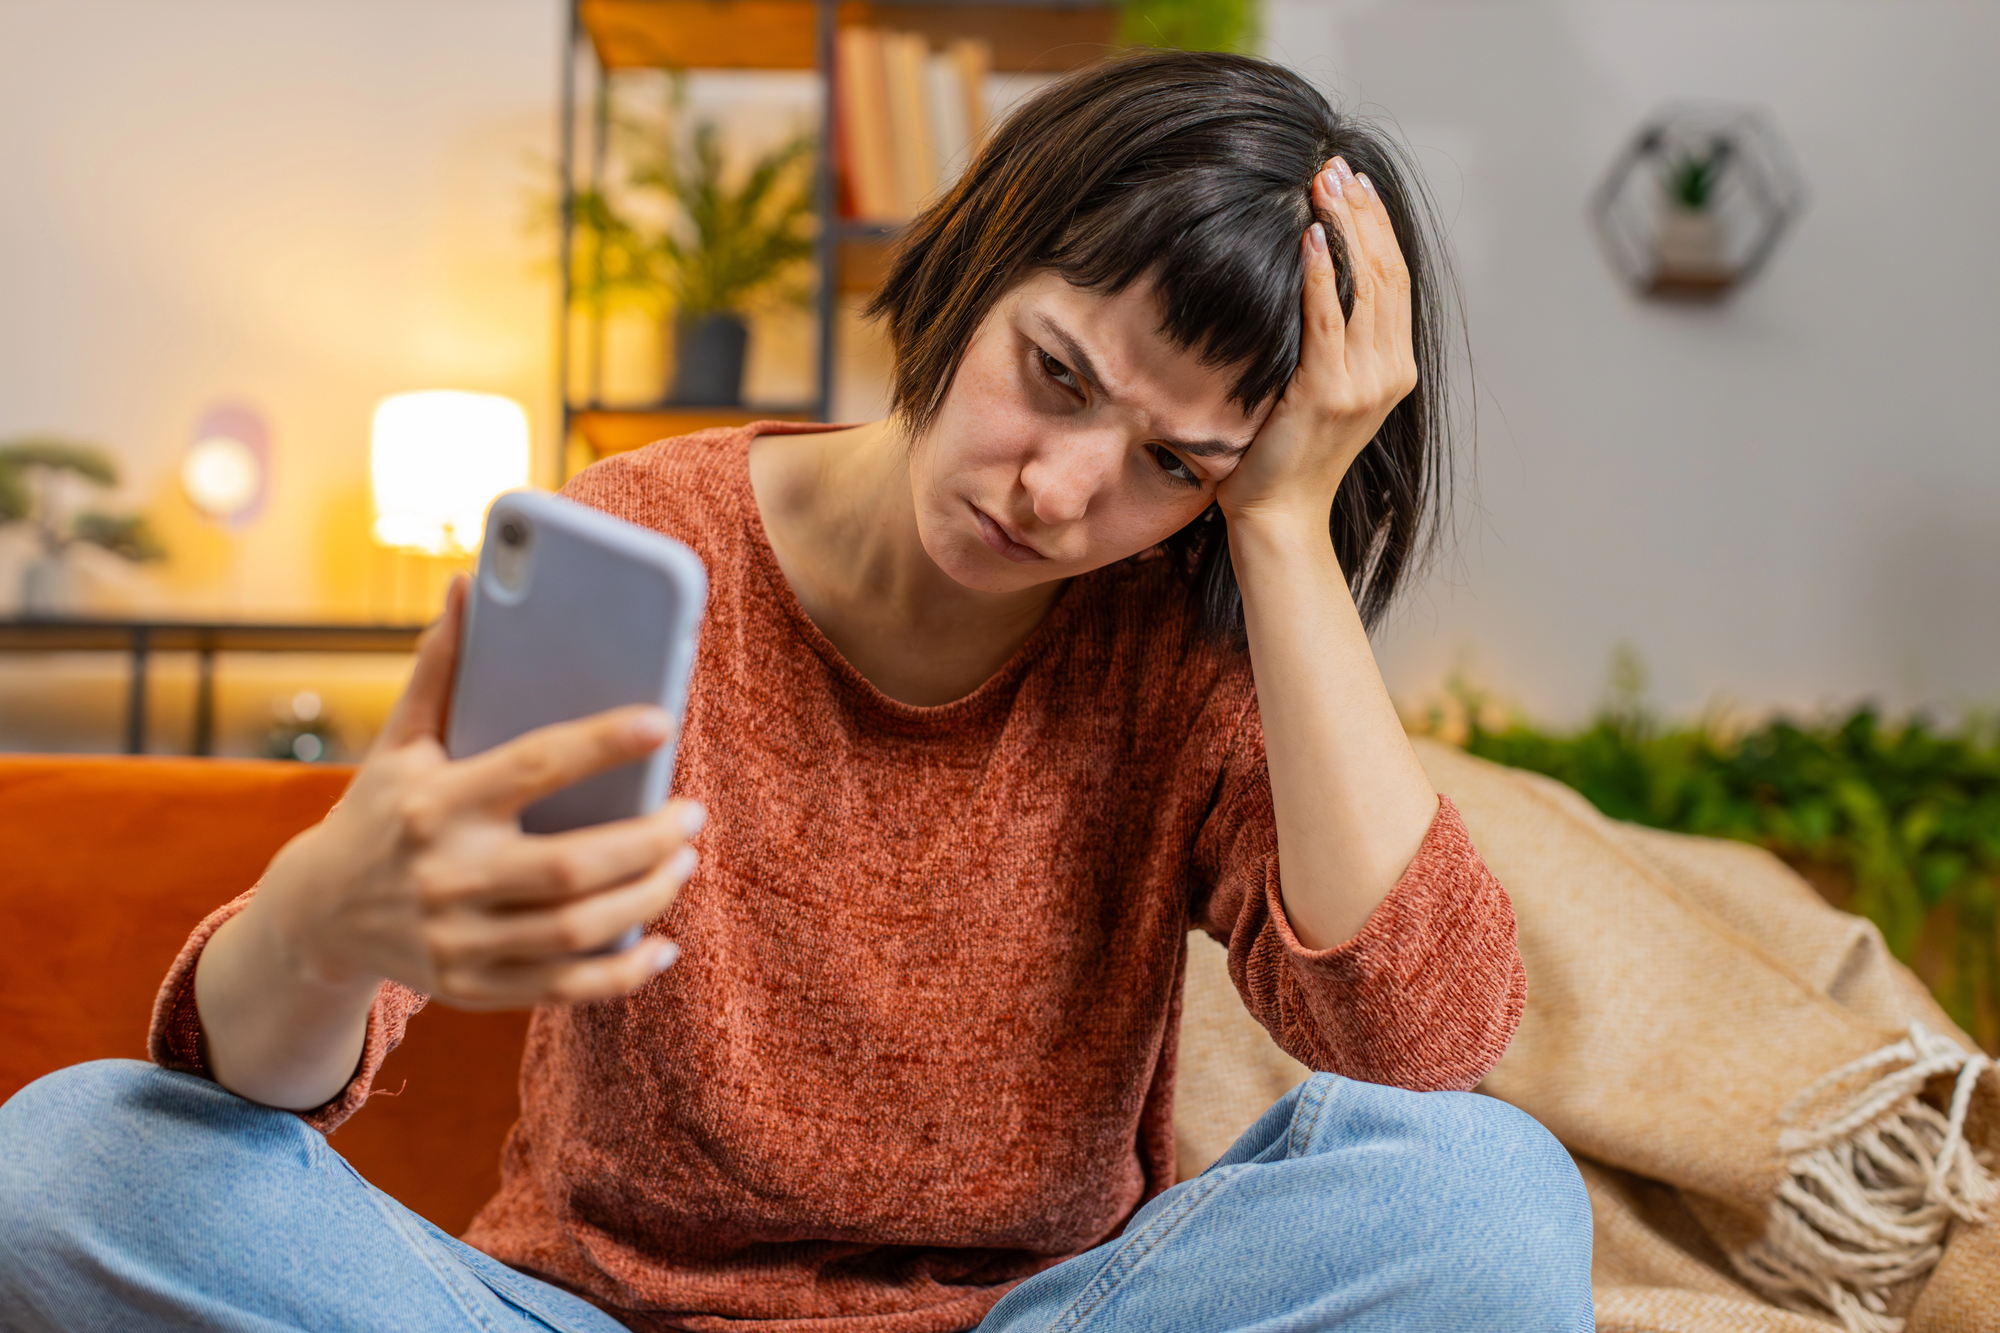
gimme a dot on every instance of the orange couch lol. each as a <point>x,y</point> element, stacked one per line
<point>106,864</point>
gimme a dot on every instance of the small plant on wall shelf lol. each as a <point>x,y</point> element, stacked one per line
<point>688,235</point>
<point>1692,178</point>
<point>35,475</point>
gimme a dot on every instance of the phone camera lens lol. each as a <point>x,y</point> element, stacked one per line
<point>513,532</point>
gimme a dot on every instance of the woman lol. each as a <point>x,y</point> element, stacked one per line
<point>994,699</point>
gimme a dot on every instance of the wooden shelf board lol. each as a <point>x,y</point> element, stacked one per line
<point>779,34</point>
<point>863,262</point>
<point>700,34</point>
<point>617,430</point>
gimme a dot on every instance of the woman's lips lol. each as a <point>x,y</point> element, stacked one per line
<point>1003,541</point>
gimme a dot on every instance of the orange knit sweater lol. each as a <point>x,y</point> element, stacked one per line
<point>920,1042</point>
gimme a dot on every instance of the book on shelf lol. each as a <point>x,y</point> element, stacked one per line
<point>907,118</point>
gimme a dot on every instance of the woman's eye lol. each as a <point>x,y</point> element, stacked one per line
<point>1059,372</point>
<point>1171,464</point>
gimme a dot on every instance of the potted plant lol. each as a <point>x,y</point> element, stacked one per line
<point>1689,249</point>
<point>703,244</point>
<point>34,473</point>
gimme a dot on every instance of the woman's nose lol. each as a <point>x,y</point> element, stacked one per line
<point>1069,471</point>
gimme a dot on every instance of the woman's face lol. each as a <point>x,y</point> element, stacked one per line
<point>1073,436</point>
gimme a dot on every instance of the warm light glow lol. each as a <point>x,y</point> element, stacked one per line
<point>437,460</point>
<point>222,476</point>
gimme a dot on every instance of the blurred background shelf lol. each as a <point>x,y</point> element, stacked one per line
<point>779,34</point>
<point>140,639</point>
<point>608,37</point>
<point>617,430</point>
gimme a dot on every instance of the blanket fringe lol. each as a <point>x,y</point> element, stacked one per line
<point>1871,1190</point>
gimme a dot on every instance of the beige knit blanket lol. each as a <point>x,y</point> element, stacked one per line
<point>1780,1130</point>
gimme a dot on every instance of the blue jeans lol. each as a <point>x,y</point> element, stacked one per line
<point>136,1199</point>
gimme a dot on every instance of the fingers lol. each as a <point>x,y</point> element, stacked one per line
<point>465,945</point>
<point>1337,192</point>
<point>1375,352</point>
<point>421,709</point>
<point>546,870</point>
<point>1325,334</point>
<point>529,767</point>
<point>564,981</point>
<point>1389,274</point>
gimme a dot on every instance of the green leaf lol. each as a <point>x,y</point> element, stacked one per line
<point>58,455</point>
<point>16,500</point>
<point>1192,25</point>
<point>127,535</point>
<point>1910,812</point>
<point>730,239</point>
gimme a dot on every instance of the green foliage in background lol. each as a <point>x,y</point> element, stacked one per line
<point>28,470</point>
<point>1193,25</point>
<point>1907,813</point>
<point>684,234</point>
<point>1692,177</point>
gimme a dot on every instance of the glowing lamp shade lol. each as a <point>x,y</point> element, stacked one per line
<point>437,460</point>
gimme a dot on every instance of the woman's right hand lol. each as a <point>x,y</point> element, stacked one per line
<point>422,875</point>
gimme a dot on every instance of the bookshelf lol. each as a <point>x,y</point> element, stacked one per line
<point>607,36</point>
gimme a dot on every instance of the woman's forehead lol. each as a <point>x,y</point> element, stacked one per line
<point>1118,342</point>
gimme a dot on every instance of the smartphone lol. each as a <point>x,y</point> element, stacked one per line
<point>572,612</point>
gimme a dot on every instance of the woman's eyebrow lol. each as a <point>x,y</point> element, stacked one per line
<point>1080,363</point>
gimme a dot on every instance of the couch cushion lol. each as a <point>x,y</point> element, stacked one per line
<point>106,864</point>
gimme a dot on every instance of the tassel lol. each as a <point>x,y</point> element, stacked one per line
<point>1871,1191</point>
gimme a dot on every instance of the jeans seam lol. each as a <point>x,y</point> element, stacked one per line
<point>427,1252</point>
<point>1319,1095</point>
<point>1121,1265</point>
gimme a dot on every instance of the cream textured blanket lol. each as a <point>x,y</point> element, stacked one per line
<point>1779,1128</point>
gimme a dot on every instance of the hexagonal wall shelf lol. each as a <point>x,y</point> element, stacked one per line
<point>1698,201</point>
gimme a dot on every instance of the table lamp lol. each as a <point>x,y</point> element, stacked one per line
<point>436,461</point>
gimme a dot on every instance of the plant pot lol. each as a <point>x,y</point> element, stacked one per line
<point>1688,253</point>
<point>708,360</point>
<point>45,588</point>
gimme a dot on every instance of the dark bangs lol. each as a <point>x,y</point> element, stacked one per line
<point>1192,170</point>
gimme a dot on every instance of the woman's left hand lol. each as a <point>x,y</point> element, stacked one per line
<point>1351,371</point>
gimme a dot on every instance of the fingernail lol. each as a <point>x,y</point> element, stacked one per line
<point>665,956</point>
<point>1316,236</point>
<point>682,864</point>
<point>694,817</point>
<point>1368,185</point>
<point>1332,179</point>
<point>651,726</point>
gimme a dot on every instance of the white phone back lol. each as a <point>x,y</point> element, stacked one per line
<point>606,614</point>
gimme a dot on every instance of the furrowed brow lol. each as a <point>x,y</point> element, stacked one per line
<point>1079,360</point>
<point>1206,448</point>
<point>1080,363</point>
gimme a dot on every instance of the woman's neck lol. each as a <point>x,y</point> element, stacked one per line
<point>838,510</point>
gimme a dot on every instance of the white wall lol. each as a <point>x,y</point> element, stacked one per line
<point>302,205</point>
<point>1789,499</point>
<point>1792,499</point>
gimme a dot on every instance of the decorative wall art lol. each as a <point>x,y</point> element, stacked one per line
<point>226,471</point>
<point>1698,201</point>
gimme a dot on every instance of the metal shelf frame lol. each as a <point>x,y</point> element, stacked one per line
<point>1040,35</point>
<point>578,51</point>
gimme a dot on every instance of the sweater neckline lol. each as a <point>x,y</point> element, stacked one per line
<point>858,686</point>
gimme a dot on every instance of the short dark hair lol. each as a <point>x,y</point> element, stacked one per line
<point>1194,170</point>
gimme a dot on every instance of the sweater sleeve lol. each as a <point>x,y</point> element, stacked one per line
<point>174,1041</point>
<point>1425,997</point>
